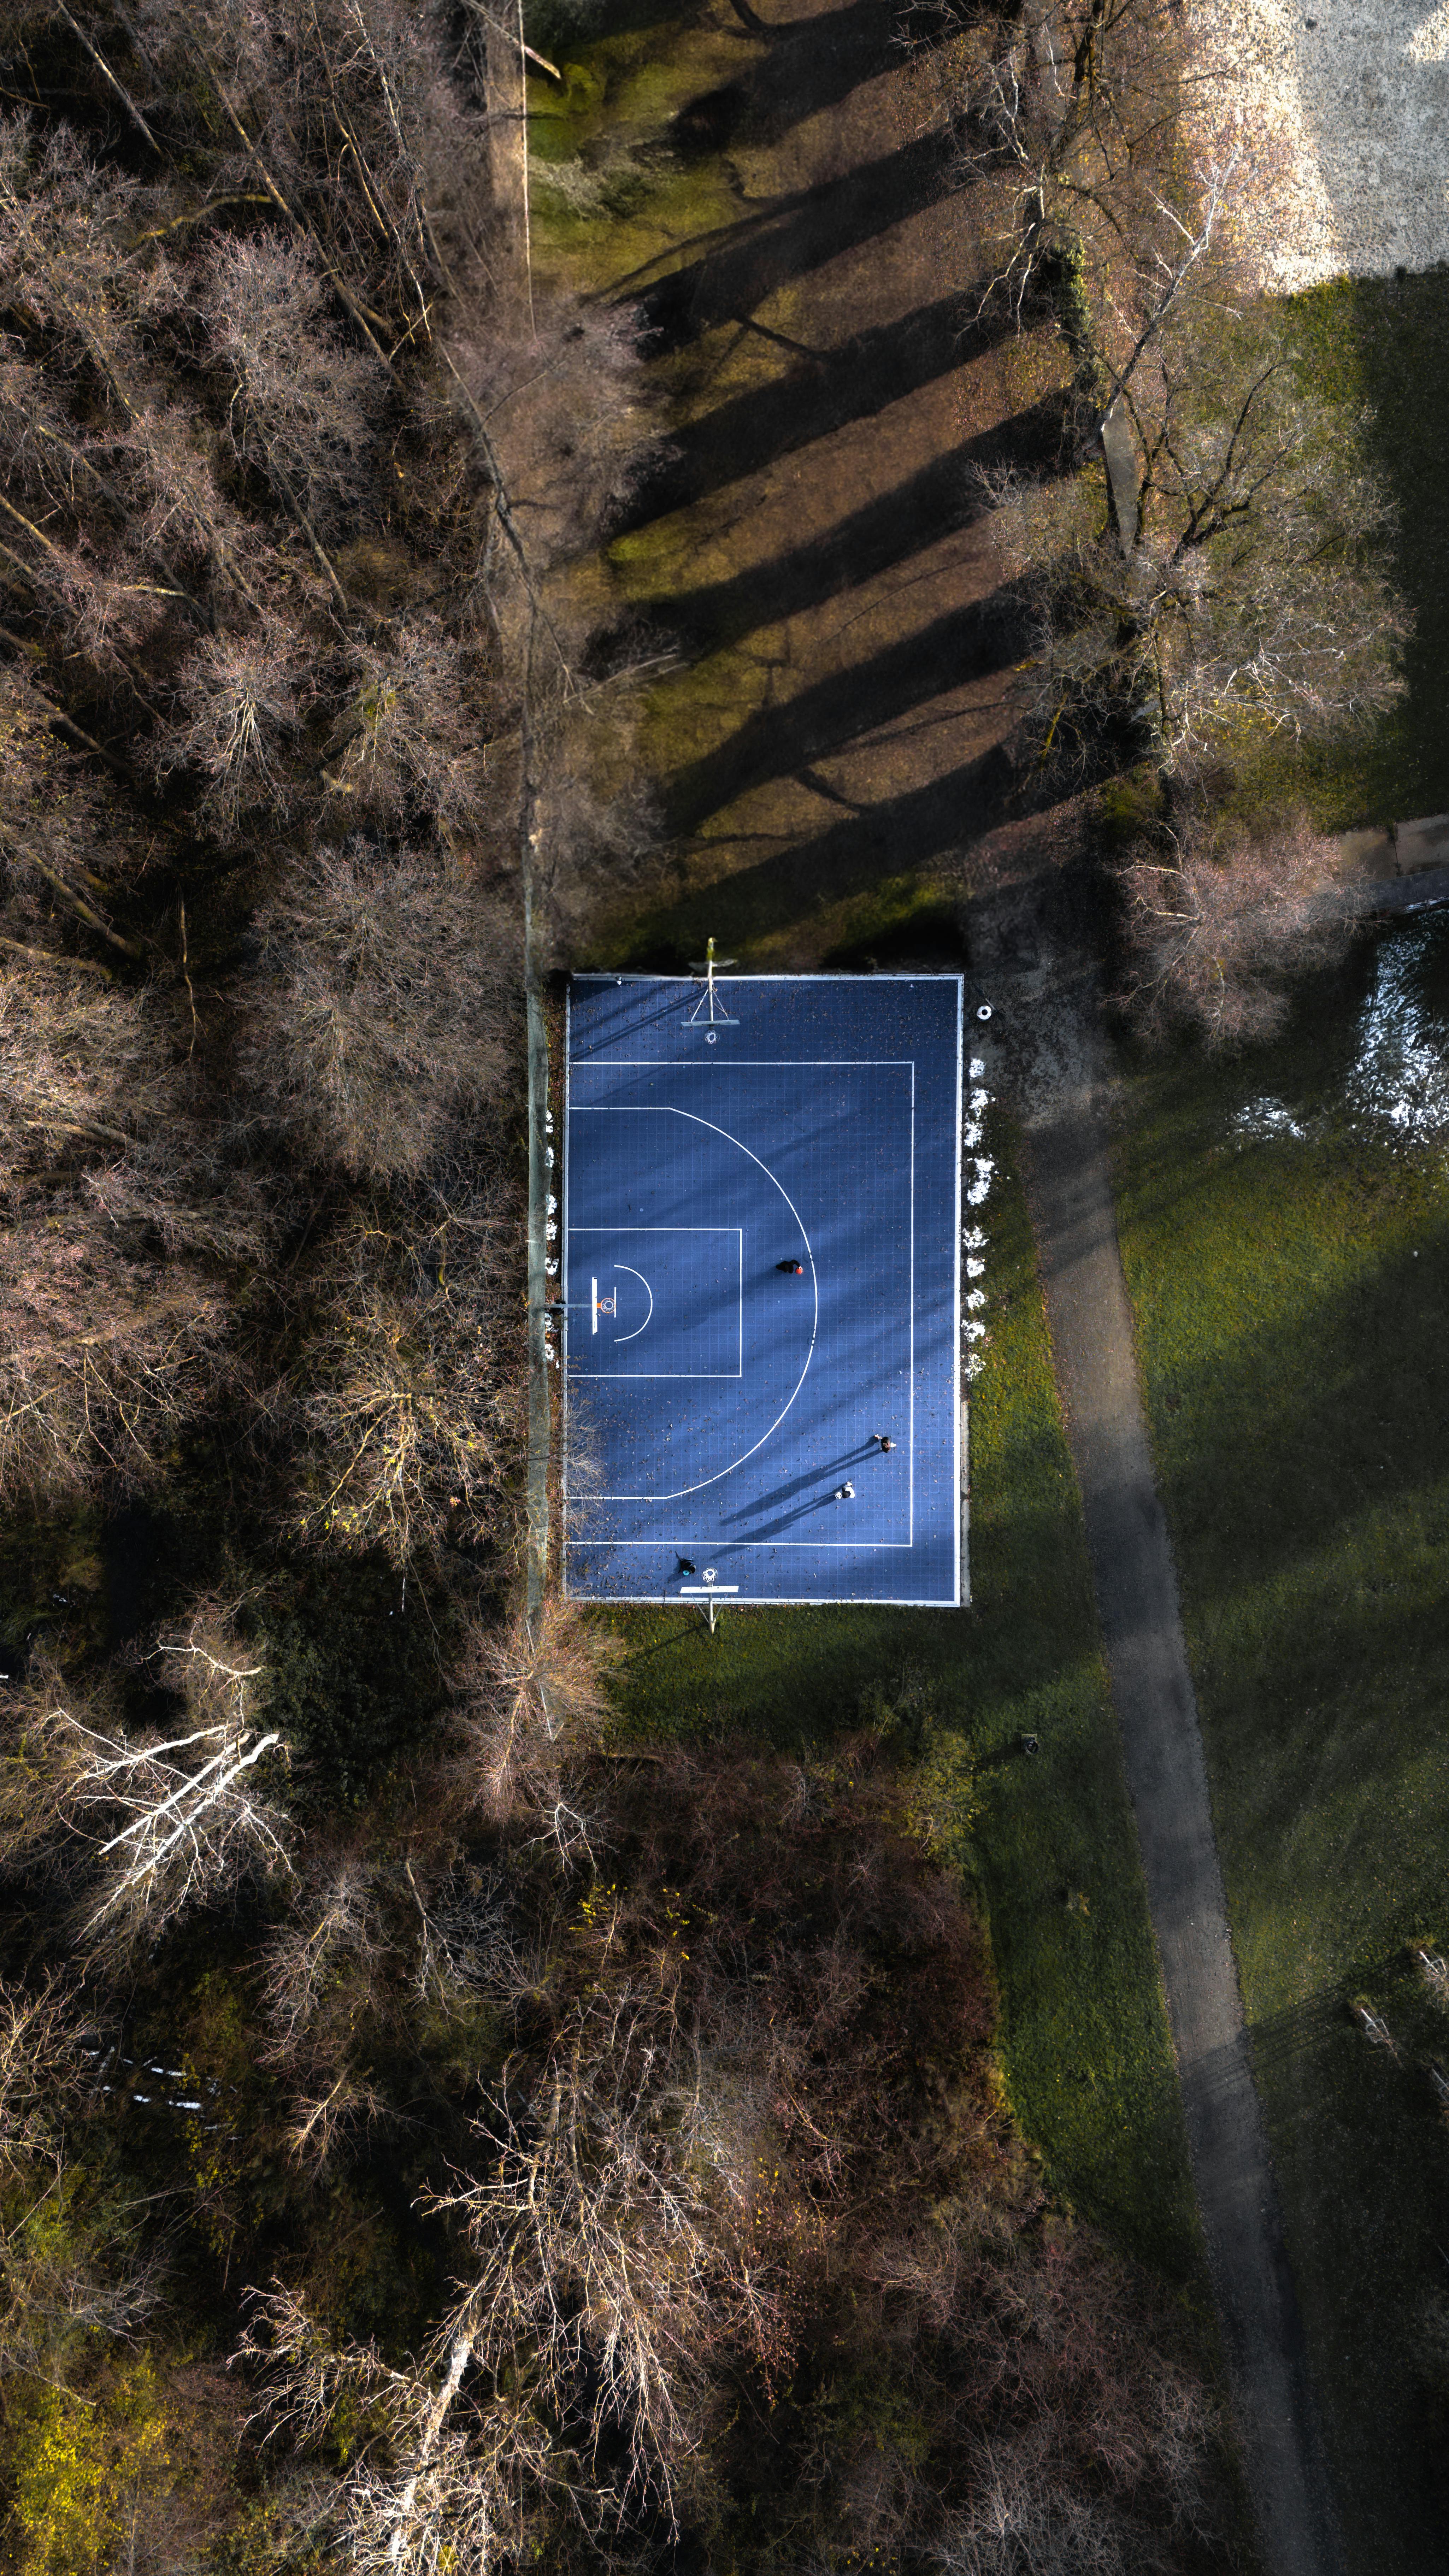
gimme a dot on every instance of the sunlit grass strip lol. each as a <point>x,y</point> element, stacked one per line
<point>1288,1295</point>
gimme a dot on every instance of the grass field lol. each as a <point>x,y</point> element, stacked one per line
<point>1379,347</point>
<point>1084,2040</point>
<point>1285,1229</point>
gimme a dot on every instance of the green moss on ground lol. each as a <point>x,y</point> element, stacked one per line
<point>1084,2042</point>
<point>1289,1292</point>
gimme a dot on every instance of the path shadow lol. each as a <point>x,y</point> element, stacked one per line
<point>825,392</point>
<point>786,241</point>
<point>937,501</point>
<point>966,644</point>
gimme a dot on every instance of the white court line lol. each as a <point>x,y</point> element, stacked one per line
<point>649,1293</point>
<point>718,1543</point>
<point>597,975</point>
<point>581,1062</point>
<point>788,1601</point>
<point>672,1377</point>
<point>643,1109</point>
<point>861,1064</point>
<point>744,1063</point>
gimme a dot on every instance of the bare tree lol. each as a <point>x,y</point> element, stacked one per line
<point>67,843</point>
<point>1217,921</point>
<point>451,2471</point>
<point>305,403</point>
<point>80,1064</point>
<point>104,1355</point>
<point>1066,112</point>
<point>381,1007</point>
<point>64,2276</point>
<point>147,1824</point>
<point>237,720</point>
<point>332,1986</point>
<point>531,1701</point>
<point>408,1390</point>
<point>416,706</point>
<point>1254,600</point>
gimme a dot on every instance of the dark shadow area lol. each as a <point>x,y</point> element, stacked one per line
<point>787,241</point>
<point>967,644</point>
<point>892,838</point>
<point>1358,2149</point>
<point>928,939</point>
<point>825,392</point>
<point>940,499</point>
<point>554,27</point>
<point>810,64</point>
<point>140,1548</point>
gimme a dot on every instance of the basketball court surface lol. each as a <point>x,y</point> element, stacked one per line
<point>760,1265</point>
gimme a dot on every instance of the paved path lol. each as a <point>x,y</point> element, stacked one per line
<point>1091,1331</point>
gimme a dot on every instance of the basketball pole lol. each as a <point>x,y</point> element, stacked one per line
<point>708,966</point>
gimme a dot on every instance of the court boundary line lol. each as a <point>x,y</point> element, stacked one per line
<point>779,1600</point>
<point>769,1600</point>
<point>650,1109</point>
<point>719,1545</point>
<point>785,1064</point>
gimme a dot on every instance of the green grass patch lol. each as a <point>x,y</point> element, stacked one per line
<point>1286,1242</point>
<point>1084,2040</point>
<point>1380,346</point>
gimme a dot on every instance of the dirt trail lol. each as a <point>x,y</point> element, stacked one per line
<point>815,550</point>
<point>1058,1075</point>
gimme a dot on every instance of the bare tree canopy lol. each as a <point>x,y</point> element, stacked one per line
<point>143,1824</point>
<point>1218,919</point>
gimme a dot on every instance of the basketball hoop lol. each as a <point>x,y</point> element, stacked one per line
<point>709,1007</point>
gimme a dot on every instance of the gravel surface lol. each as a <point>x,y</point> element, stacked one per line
<point>1341,108</point>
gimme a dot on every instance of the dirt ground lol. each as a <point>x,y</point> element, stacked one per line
<point>814,554</point>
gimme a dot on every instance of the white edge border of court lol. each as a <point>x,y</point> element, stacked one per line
<point>773,1600</point>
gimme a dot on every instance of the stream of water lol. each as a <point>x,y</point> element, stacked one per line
<point>1390,1083</point>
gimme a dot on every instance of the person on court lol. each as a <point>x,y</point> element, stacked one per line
<point>796,1269</point>
<point>845,1493</point>
<point>884,1438</point>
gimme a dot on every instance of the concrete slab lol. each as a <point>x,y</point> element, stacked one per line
<point>1370,853</point>
<point>1423,844</point>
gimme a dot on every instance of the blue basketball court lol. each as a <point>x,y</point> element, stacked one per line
<point>760,1247</point>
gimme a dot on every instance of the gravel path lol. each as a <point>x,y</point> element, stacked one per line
<point>1091,1330</point>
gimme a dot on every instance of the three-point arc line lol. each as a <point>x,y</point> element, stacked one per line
<point>635,1109</point>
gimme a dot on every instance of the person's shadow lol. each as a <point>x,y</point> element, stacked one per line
<point>802,1484</point>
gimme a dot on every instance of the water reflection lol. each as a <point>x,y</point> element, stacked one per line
<point>1392,1084</point>
<point>1399,1078</point>
<point>1268,1117</point>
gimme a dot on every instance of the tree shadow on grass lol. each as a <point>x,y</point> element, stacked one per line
<point>966,644</point>
<point>1358,2152</point>
<point>826,391</point>
<point>937,501</point>
<point>892,838</point>
<point>808,65</point>
<point>754,258</point>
